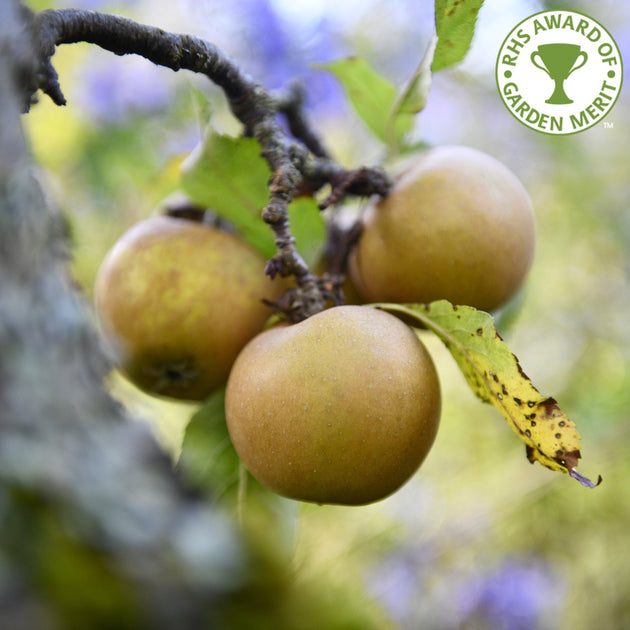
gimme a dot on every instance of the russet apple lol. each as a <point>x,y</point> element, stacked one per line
<point>457,225</point>
<point>180,299</point>
<point>340,408</point>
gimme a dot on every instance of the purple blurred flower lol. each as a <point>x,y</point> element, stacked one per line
<point>396,583</point>
<point>515,595</point>
<point>280,50</point>
<point>269,41</point>
<point>272,44</point>
<point>416,589</point>
<point>111,90</point>
<point>400,580</point>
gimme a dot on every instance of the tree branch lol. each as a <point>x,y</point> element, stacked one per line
<point>297,166</point>
<point>290,102</point>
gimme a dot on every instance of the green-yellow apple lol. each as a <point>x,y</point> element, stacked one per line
<point>340,408</point>
<point>180,299</point>
<point>457,225</point>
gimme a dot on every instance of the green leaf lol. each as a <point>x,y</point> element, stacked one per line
<point>455,26</point>
<point>208,459</point>
<point>201,105</point>
<point>496,377</point>
<point>308,228</point>
<point>229,176</point>
<point>372,96</point>
<point>414,98</point>
<point>210,463</point>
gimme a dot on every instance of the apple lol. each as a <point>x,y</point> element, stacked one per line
<point>180,299</point>
<point>340,408</point>
<point>457,225</point>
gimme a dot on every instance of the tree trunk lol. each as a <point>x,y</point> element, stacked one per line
<point>95,528</point>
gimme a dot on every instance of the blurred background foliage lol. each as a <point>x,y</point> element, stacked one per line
<point>479,538</point>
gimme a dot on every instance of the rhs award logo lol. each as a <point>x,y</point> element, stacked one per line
<point>559,72</point>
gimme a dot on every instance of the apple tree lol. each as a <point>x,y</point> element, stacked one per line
<point>337,401</point>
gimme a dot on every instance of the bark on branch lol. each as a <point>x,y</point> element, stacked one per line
<point>300,165</point>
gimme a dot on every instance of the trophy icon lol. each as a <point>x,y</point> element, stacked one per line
<point>559,61</point>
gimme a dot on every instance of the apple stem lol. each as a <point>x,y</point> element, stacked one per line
<point>300,165</point>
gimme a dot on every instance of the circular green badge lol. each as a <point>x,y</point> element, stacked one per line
<point>559,72</point>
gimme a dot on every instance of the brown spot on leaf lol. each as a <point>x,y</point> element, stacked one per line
<point>453,8</point>
<point>518,401</point>
<point>504,390</point>
<point>569,459</point>
<point>529,451</point>
<point>480,331</point>
<point>550,406</point>
<point>558,436</point>
<point>520,369</point>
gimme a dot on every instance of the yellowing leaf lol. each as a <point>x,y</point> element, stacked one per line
<point>495,375</point>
